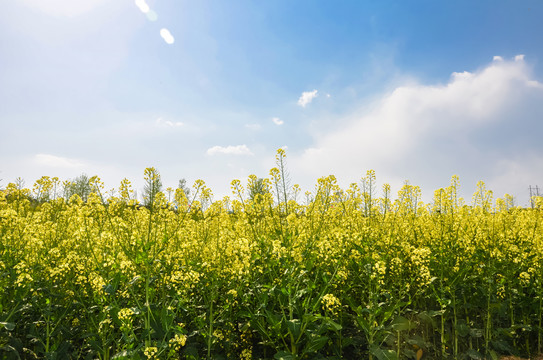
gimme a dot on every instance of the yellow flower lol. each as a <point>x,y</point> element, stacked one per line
<point>151,352</point>
<point>177,342</point>
<point>125,314</point>
<point>524,278</point>
<point>246,354</point>
<point>331,303</point>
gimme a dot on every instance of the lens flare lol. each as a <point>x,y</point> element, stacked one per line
<point>167,36</point>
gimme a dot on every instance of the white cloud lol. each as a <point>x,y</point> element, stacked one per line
<point>168,123</point>
<point>277,121</point>
<point>497,58</point>
<point>477,125</point>
<point>167,36</point>
<point>307,97</point>
<point>519,58</point>
<point>230,150</point>
<point>142,5</point>
<point>523,170</point>
<point>534,84</point>
<point>57,161</point>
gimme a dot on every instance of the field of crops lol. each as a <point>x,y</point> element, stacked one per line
<point>342,273</point>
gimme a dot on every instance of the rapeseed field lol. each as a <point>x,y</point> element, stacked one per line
<point>343,274</point>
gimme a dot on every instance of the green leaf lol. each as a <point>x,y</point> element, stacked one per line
<point>294,327</point>
<point>462,329</point>
<point>309,318</point>
<point>274,320</point>
<point>476,333</point>
<point>347,342</point>
<point>316,344</point>
<point>332,325</point>
<point>363,323</point>
<point>109,289</point>
<point>493,355</point>
<point>401,324</point>
<point>427,318</point>
<point>283,355</point>
<point>433,313</point>
<point>418,341</point>
<point>474,354</point>
<point>284,291</point>
<point>381,354</point>
<point>387,314</point>
<point>126,354</point>
<point>260,327</point>
<point>8,326</point>
<point>245,327</point>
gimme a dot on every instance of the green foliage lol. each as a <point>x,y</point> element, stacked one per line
<point>346,276</point>
<point>79,186</point>
<point>152,187</point>
<point>257,188</point>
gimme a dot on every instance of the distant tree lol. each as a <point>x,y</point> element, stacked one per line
<point>257,187</point>
<point>19,183</point>
<point>183,186</point>
<point>79,186</point>
<point>153,185</point>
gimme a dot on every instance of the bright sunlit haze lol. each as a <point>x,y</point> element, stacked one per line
<point>416,91</point>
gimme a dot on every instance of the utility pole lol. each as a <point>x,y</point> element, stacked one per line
<point>534,191</point>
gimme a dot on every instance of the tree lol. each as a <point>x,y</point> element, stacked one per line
<point>183,186</point>
<point>153,185</point>
<point>20,183</point>
<point>257,187</point>
<point>79,186</point>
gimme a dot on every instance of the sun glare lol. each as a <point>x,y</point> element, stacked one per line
<point>167,36</point>
<point>68,8</point>
<point>142,5</point>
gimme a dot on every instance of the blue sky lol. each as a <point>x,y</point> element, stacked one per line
<point>417,90</point>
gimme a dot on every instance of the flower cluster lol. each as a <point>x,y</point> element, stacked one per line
<point>177,342</point>
<point>331,304</point>
<point>255,275</point>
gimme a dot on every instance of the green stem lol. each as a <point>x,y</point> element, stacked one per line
<point>48,330</point>
<point>470,340</point>
<point>488,322</point>
<point>511,310</point>
<point>455,320</point>
<point>539,327</point>
<point>443,345</point>
<point>210,334</point>
<point>148,305</point>
<point>398,347</point>
<point>293,348</point>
